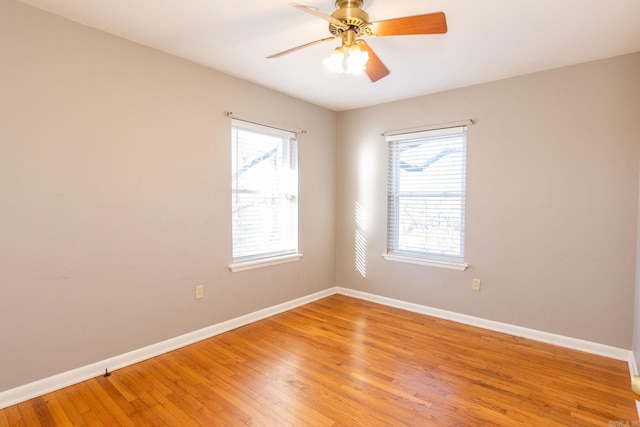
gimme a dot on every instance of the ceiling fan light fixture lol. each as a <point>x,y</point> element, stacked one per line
<point>349,60</point>
<point>335,63</point>
<point>356,60</point>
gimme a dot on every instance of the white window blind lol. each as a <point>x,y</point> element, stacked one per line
<point>264,190</point>
<point>426,194</point>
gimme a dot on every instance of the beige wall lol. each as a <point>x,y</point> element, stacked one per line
<point>552,182</point>
<point>115,196</point>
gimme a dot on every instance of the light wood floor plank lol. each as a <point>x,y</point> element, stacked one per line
<point>346,362</point>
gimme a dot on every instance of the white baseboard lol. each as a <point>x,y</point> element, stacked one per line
<point>633,371</point>
<point>65,379</point>
<point>56,382</point>
<point>546,337</point>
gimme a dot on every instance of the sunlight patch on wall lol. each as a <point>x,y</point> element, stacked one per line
<point>361,241</point>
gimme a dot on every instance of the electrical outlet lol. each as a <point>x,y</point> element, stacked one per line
<point>476,284</point>
<point>199,292</point>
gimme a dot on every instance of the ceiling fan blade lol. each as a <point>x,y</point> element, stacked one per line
<point>432,23</point>
<point>375,68</point>
<point>293,49</point>
<point>320,14</point>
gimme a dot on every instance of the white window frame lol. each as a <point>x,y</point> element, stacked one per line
<point>395,251</point>
<point>284,188</point>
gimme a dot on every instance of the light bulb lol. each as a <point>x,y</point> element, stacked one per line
<point>356,60</point>
<point>335,62</point>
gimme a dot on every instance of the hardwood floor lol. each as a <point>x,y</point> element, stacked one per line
<point>345,362</point>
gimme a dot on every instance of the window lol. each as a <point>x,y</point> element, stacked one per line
<point>426,197</point>
<point>265,195</point>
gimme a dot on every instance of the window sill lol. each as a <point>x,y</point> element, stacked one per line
<point>259,263</point>
<point>449,265</point>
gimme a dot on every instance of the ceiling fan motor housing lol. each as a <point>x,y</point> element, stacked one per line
<point>349,12</point>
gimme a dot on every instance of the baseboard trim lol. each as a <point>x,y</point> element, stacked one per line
<point>546,337</point>
<point>633,371</point>
<point>65,379</point>
<point>56,382</point>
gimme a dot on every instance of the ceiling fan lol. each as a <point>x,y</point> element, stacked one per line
<point>350,23</point>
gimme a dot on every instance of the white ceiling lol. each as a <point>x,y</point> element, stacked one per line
<point>487,40</point>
